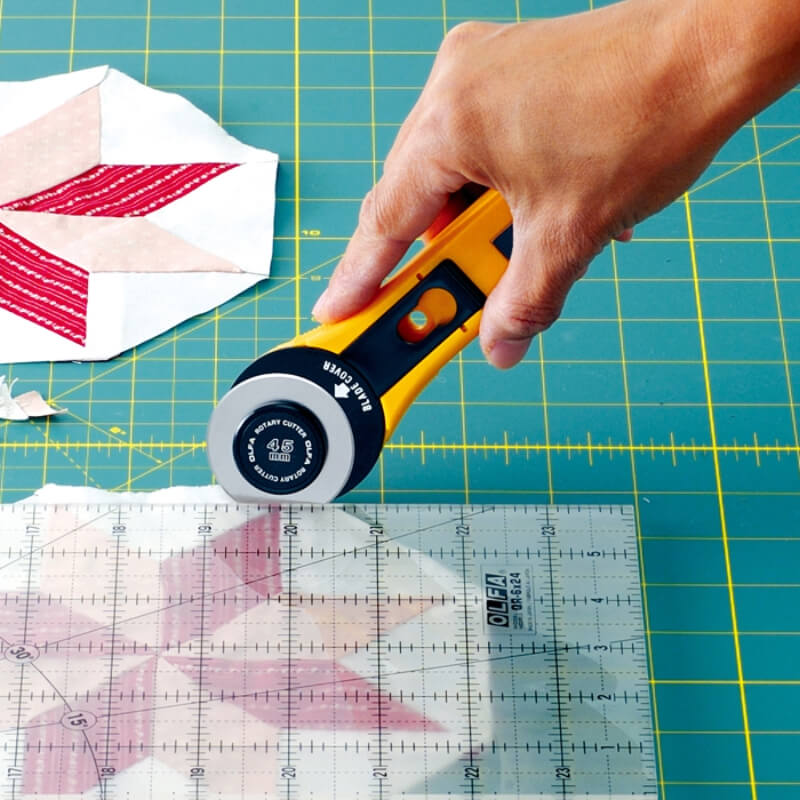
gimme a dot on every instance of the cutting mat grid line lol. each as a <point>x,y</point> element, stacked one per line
<point>611,405</point>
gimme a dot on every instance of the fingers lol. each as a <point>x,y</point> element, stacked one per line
<point>531,293</point>
<point>399,208</point>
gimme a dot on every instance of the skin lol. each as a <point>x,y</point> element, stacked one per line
<point>586,124</point>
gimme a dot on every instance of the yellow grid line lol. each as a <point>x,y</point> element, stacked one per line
<point>374,164</point>
<point>220,107</point>
<point>460,358</point>
<point>637,516</point>
<point>244,17</point>
<point>147,29</point>
<point>721,505</point>
<point>138,51</point>
<point>721,682</point>
<point>526,447</point>
<point>131,418</point>
<point>296,63</point>
<point>716,585</point>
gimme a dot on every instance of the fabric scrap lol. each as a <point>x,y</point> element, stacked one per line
<point>24,406</point>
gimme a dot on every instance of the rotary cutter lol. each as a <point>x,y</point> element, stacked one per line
<point>307,421</point>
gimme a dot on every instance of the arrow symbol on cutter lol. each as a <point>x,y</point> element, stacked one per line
<point>340,390</point>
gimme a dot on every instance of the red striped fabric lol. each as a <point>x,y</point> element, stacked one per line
<point>120,190</point>
<point>41,287</point>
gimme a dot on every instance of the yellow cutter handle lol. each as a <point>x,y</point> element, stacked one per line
<point>467,247</point>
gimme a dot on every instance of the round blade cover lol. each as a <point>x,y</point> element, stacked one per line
<point>277,436</point>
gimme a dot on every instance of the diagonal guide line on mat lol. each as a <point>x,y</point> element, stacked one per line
<point>220,105</point>
<point>721,505</point>
<point>749,162</point>
<point>776,288</point>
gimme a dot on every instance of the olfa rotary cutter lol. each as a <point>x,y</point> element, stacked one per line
<point>307,420</point>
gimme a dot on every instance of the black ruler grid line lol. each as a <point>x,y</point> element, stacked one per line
<point>197,768</point>
<point>471,770</point>
<point>108,762</point>
<point>334,745</point>
<point>288,769</point>
<point>380,771</point>
<point>31,530</point>
<point>562,769</point>
<point>513,678</point>
<point>423,670</point>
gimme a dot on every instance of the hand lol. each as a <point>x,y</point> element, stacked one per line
<point>585,124</point>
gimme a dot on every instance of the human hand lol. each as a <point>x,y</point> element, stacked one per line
<point>585,124</point>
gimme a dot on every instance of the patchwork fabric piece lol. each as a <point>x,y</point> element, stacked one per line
<point>123,211</point>
<point>51,149</point>
<point>41,287</point>
<point>120,191</point>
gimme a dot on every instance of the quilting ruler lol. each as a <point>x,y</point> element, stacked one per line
<point>322,652</point>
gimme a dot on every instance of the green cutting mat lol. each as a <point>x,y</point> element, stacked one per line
<point>670,382</point>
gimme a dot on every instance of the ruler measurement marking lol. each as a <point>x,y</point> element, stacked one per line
<point>31,529</point>
<point>562,770</point>
<point>472,771</point>
<point>197,772</point>
<point>288,770</point>
<point>380,771</point>
<point>513,696</point>
<point>108,770</point>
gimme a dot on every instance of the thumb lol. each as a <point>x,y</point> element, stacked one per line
<point>403,203</point>
<point>530,295</point>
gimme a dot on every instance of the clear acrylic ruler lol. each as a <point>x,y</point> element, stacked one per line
<point>336,652</point>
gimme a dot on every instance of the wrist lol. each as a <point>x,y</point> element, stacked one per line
<point>748,53</point>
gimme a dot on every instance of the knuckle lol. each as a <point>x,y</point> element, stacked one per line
<point>456,120</point>
<point>522,319</point>
<point>461,34</point>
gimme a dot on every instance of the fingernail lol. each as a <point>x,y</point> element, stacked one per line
<point>319,306</point>
<point>504,353</point>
